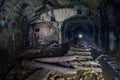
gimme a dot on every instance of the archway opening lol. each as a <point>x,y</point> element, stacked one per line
<point>77,29</point>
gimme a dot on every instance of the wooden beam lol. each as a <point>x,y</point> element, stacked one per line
<point>58,69</point>
<point>57,59</point>
<point>80,49</point>
<point>78,53</point>
<point>29,52</point>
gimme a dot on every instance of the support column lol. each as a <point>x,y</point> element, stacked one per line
<point>60,34</point>
<point>111,42</point>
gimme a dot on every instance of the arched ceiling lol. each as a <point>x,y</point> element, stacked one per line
<point>13,10</point>
<point>75,25</point>
<point>33,8</point>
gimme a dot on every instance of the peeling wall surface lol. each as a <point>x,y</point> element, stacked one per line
<point>59,14</point>
<point>43,33</point>
<point>42,30</point>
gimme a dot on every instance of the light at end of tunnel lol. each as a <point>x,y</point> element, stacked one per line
<point>80,35</point>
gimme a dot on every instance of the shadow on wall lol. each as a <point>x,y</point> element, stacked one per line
<point>11,39</point>
<point>3,51</point>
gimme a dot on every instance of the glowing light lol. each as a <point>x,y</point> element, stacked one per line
<point>80,36</point>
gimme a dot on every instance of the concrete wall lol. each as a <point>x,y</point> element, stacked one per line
<point>42,30</point>
<point>59,14</point>
<point>42,33</point>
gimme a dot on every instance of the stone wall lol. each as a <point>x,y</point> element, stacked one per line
<point>11,37</point>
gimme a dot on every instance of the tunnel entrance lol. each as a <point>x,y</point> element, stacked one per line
<point>77,29</point>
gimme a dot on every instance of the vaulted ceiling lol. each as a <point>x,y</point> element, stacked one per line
<point>11,9</point>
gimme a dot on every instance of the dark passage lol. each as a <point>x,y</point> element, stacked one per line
<point>77,29</point>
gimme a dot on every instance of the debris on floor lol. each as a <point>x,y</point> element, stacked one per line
<point>77,64</point>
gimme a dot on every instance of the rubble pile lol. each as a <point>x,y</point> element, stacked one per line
<point>77,64</point>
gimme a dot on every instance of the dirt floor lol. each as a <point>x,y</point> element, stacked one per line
<point>11,69</point>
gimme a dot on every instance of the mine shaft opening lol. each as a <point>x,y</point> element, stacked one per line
<point>77,29</point>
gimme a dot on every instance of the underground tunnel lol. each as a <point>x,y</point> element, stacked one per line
<point>59,40</point>
<point>77,29</point>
